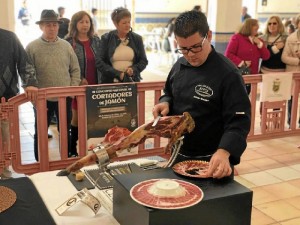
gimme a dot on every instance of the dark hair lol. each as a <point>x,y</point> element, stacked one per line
<point>94,10</point>
<point>190,22</point>
<point>73,32</point>
<point>197,8</point>
<point>119,13</point>
<point>292,28</point>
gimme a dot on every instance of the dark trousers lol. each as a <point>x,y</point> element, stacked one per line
<point>52,108</point>
<point>290,112</point>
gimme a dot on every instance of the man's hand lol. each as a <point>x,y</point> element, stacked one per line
<point>31,93</point>
<point>219,165</point>
<point>160,109</point>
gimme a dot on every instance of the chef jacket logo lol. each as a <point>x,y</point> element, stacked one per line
<point>204,91</point>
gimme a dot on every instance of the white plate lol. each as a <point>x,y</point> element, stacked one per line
<point>140,194</point>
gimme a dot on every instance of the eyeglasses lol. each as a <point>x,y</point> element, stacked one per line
<point>269,24</point>
<point>194,49</point>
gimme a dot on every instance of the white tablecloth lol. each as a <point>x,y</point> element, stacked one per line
<point>56,190</point>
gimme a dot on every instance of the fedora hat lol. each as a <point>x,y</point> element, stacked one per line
<point>49,15</point>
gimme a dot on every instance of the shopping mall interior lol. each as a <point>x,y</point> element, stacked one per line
<point>270,167</point>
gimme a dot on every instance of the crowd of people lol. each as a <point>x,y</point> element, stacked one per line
<point>273,50</point>
<point>194,84</point>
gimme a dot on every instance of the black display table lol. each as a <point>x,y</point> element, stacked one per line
<point>29,208</point>
<point>225,202</point>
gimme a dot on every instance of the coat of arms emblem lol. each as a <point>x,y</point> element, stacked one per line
<point>276,85</point>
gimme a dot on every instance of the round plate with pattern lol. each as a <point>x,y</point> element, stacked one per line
<point>140,193</point>
<point>192,168</point>
<point>7,198</point>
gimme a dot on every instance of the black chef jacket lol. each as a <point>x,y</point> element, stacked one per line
<point>215,96</point>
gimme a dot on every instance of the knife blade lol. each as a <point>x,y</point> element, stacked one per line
<point>156,121</point>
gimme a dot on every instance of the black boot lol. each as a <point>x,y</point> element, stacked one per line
<point>35,147</point>
<point>73,138</point>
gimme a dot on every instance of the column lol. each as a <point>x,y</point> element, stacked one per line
<point>224,18</point>
<point>7,12</point>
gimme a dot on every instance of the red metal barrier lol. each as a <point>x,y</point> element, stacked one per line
<point>146,91</point>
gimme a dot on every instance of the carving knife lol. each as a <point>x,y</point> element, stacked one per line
<point>156,121</point>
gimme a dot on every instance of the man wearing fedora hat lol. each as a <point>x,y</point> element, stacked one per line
<point>56,65</point>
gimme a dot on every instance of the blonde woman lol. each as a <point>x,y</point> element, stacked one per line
<point>274,38</point>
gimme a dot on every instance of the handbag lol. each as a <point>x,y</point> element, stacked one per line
<point>127,79</point>
<point>244,69</point>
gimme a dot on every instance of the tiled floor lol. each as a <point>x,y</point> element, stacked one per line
<point>271,168</point>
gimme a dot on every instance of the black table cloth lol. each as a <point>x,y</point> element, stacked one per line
<point>29,208</point>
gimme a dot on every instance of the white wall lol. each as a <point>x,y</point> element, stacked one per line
<point>36,7</point>
<point>168,6</point>
<point>279,6</point>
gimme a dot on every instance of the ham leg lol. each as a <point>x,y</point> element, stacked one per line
<point>172,127</point>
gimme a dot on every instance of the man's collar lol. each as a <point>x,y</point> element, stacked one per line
<point>44,39</point>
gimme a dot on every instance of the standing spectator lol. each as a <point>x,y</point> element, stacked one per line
<point>245,14</point>
<point>24,14</point>
<point>289,25</point>
<point>86,46</point>
<point>197,8</point>
<point>56,65</point>
<point>170,41</point>
<point>95,20</point>
<point>245,48</point>
<point>274,38</point>
<point>207,85</point>
<point>290,29</point>
<point>291,57</point>
<point>14,64</point>
<point>122,52</point>
<point>64,26</point>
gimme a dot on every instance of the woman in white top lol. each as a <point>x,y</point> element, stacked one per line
<point>122,52</point>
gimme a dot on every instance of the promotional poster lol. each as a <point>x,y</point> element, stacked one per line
<point>109,106</point>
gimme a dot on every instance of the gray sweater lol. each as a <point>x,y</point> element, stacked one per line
<point>56,63</point>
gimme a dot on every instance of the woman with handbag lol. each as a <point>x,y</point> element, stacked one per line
<point>274,38</point>
<point>122,52</point>
<point>86,44</point>
<point>246,49</point>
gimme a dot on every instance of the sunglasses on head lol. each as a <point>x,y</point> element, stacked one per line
<point>274,23</point>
